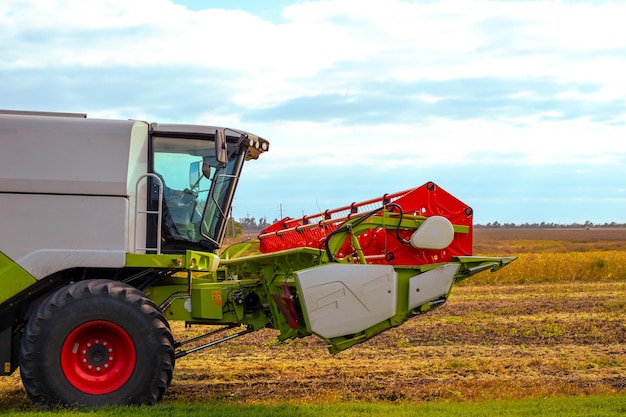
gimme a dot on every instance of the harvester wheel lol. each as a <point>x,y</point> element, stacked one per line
<point>95,343</point>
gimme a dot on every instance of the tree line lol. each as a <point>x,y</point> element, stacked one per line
<point>237,228</point>
<point>547,225</point>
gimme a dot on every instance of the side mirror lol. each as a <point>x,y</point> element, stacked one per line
<point>220,147</point>
<point>195,174</point>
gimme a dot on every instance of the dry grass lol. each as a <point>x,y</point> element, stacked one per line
<point>559,267</point>
<point>554,255</point>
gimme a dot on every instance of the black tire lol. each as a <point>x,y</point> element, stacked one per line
<point>96,343</point>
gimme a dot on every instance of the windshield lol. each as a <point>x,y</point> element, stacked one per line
<point>216,209</point>
<point>197,188</point>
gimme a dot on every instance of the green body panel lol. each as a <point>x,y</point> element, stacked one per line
<point>191,261</point>
<point>14,279</point>
<point>261,290</point>
<point>275,271</point>
<point>207,302</point>
<point>225,302</point>
<point>173,298</point>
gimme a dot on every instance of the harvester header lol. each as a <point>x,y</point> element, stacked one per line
<point>349,273</point>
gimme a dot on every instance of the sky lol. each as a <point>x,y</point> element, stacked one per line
<point>518,108</point>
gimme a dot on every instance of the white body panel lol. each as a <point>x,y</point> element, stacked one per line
<point>342,299</point>
<point>431,285</point>
<point>49,233</point>
<point>67,191</point>
<point>56,155</point>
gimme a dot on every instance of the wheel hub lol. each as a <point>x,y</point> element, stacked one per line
<point>98,357</point>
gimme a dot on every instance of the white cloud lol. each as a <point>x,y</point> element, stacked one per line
<point>438,40</point>
<point>442,142</point>
<point>381,86</point>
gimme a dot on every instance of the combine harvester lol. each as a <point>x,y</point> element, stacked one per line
<point>98,255</point>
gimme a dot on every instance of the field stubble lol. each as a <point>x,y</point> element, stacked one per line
<point>488,342</point>
<point>552,325</point>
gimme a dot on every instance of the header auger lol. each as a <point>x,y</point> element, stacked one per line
<point>102,247</point>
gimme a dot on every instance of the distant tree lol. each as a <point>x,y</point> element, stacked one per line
<point>248,223</point>
<point>263,223</point>
<point>233,228</point>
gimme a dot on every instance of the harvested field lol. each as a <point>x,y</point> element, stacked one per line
<point>522,240</point>
<point>487,342</point>
<point>508,340</point>
<point>496,338</point>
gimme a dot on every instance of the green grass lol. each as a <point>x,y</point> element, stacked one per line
<point>588,406</point>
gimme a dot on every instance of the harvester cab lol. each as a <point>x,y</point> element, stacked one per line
<point>194,174</point>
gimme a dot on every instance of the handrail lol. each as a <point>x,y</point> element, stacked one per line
<point>158,212</point>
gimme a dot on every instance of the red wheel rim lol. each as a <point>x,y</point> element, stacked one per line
<point>98,357</point>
